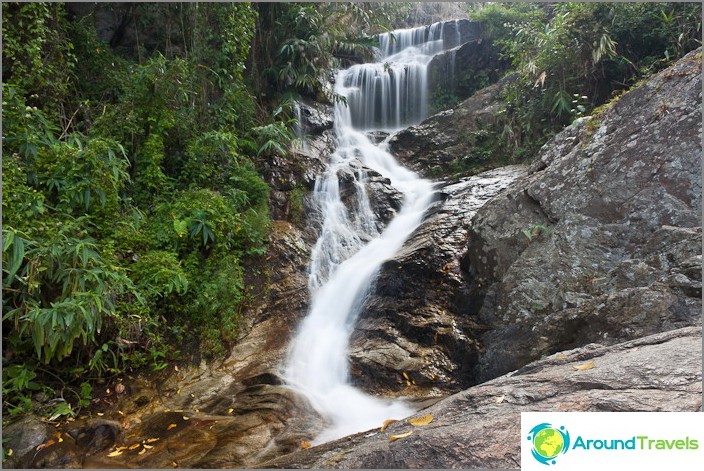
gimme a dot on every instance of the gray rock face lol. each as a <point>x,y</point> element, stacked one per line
<point>613,211</point>
<point>480,427</point>
<point>384,199</point>
<point>25,435</point>
<point>297,170</point>
<point>433,146</point>
<point>458,73</point>
<point>458,32</point>
<point>411,338</point>
<point>314,118</point>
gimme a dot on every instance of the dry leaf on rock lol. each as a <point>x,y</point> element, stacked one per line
<point>387,423</point>
<point>44,445</point>
<point>418,421</point>
<point>585,366</point>
<point>403,435</point>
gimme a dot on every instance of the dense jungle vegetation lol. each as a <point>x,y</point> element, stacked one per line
<point>133,147</point>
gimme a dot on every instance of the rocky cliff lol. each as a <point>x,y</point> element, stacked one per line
<point>599,241</point>
<point>602,241</point>
<point>448,140</point>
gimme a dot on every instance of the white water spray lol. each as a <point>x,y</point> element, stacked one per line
<point>350,250</point>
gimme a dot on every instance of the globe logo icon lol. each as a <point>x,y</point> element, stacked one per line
<point>548,442</point>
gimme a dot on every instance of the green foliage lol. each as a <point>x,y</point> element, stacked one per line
<point>25,128</point>
<point>535,231</point>
<point>300,43</point>
<point>158,274</point>
<point>37,54</point>
<point>83,178</point>
<point>218,288</point>
<point>211,159</point>
<point>295,203</point>
<point>570,57</point>
<point>130,197</point>
<point>57,290</point>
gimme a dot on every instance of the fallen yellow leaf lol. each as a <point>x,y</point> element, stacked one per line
<point>148,446</point>
<point>151,440</point>
<point>132,447</point>
<point>100,414</point>
<point>10,452</point>
<point>229,411</point>
<point>561,356</point>
<point>171,426</point>
<point>121,448</point>
<point>178,410</point>
<point>196,411</point>
<point>45,445</point>
<point>167,410</point>
<point>144,450</point>
<point>185,417</point>
<point>114,453</point>
<point>387,423</point>
<point>405,375</point>
<point>178,392</point>
<point>585,366</point>
<point>120,412</point>
<point>403,435</point>
<point>305,445</point>
<point>425,420</point>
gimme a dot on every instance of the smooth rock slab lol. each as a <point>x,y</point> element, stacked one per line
<point>480,427</point>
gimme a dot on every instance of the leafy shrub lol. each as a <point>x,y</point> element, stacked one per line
<point>83,178</point>
<point>57,290</point>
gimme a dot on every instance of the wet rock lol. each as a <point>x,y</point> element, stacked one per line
<point>479,427</point>
<point>602,242</point>
<point>24,436</point>
<point>315,118</point>
<point>433,146</point>
<point>95,435</point>
<point>295,171</point>
<point>458,73</point>
<point>411,337</point>
<point>356,181</point>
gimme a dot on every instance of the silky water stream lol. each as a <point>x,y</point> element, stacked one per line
<point>386,95</point>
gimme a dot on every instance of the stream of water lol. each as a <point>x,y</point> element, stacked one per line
<point>386,95</point>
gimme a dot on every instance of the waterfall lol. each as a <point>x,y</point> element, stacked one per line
<point>350,249</point>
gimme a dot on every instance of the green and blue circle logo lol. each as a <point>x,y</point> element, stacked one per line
<point>548,442</point>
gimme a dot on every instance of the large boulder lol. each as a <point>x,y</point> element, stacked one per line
<point>411,338</point>
<point>602,242</point>
<point>436,146</point>
<point>480,427</point>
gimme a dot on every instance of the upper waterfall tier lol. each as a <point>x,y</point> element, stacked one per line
<point>450,33</point>
<point>392,93</point>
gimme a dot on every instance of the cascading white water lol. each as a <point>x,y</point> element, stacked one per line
<point>350,250</point>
